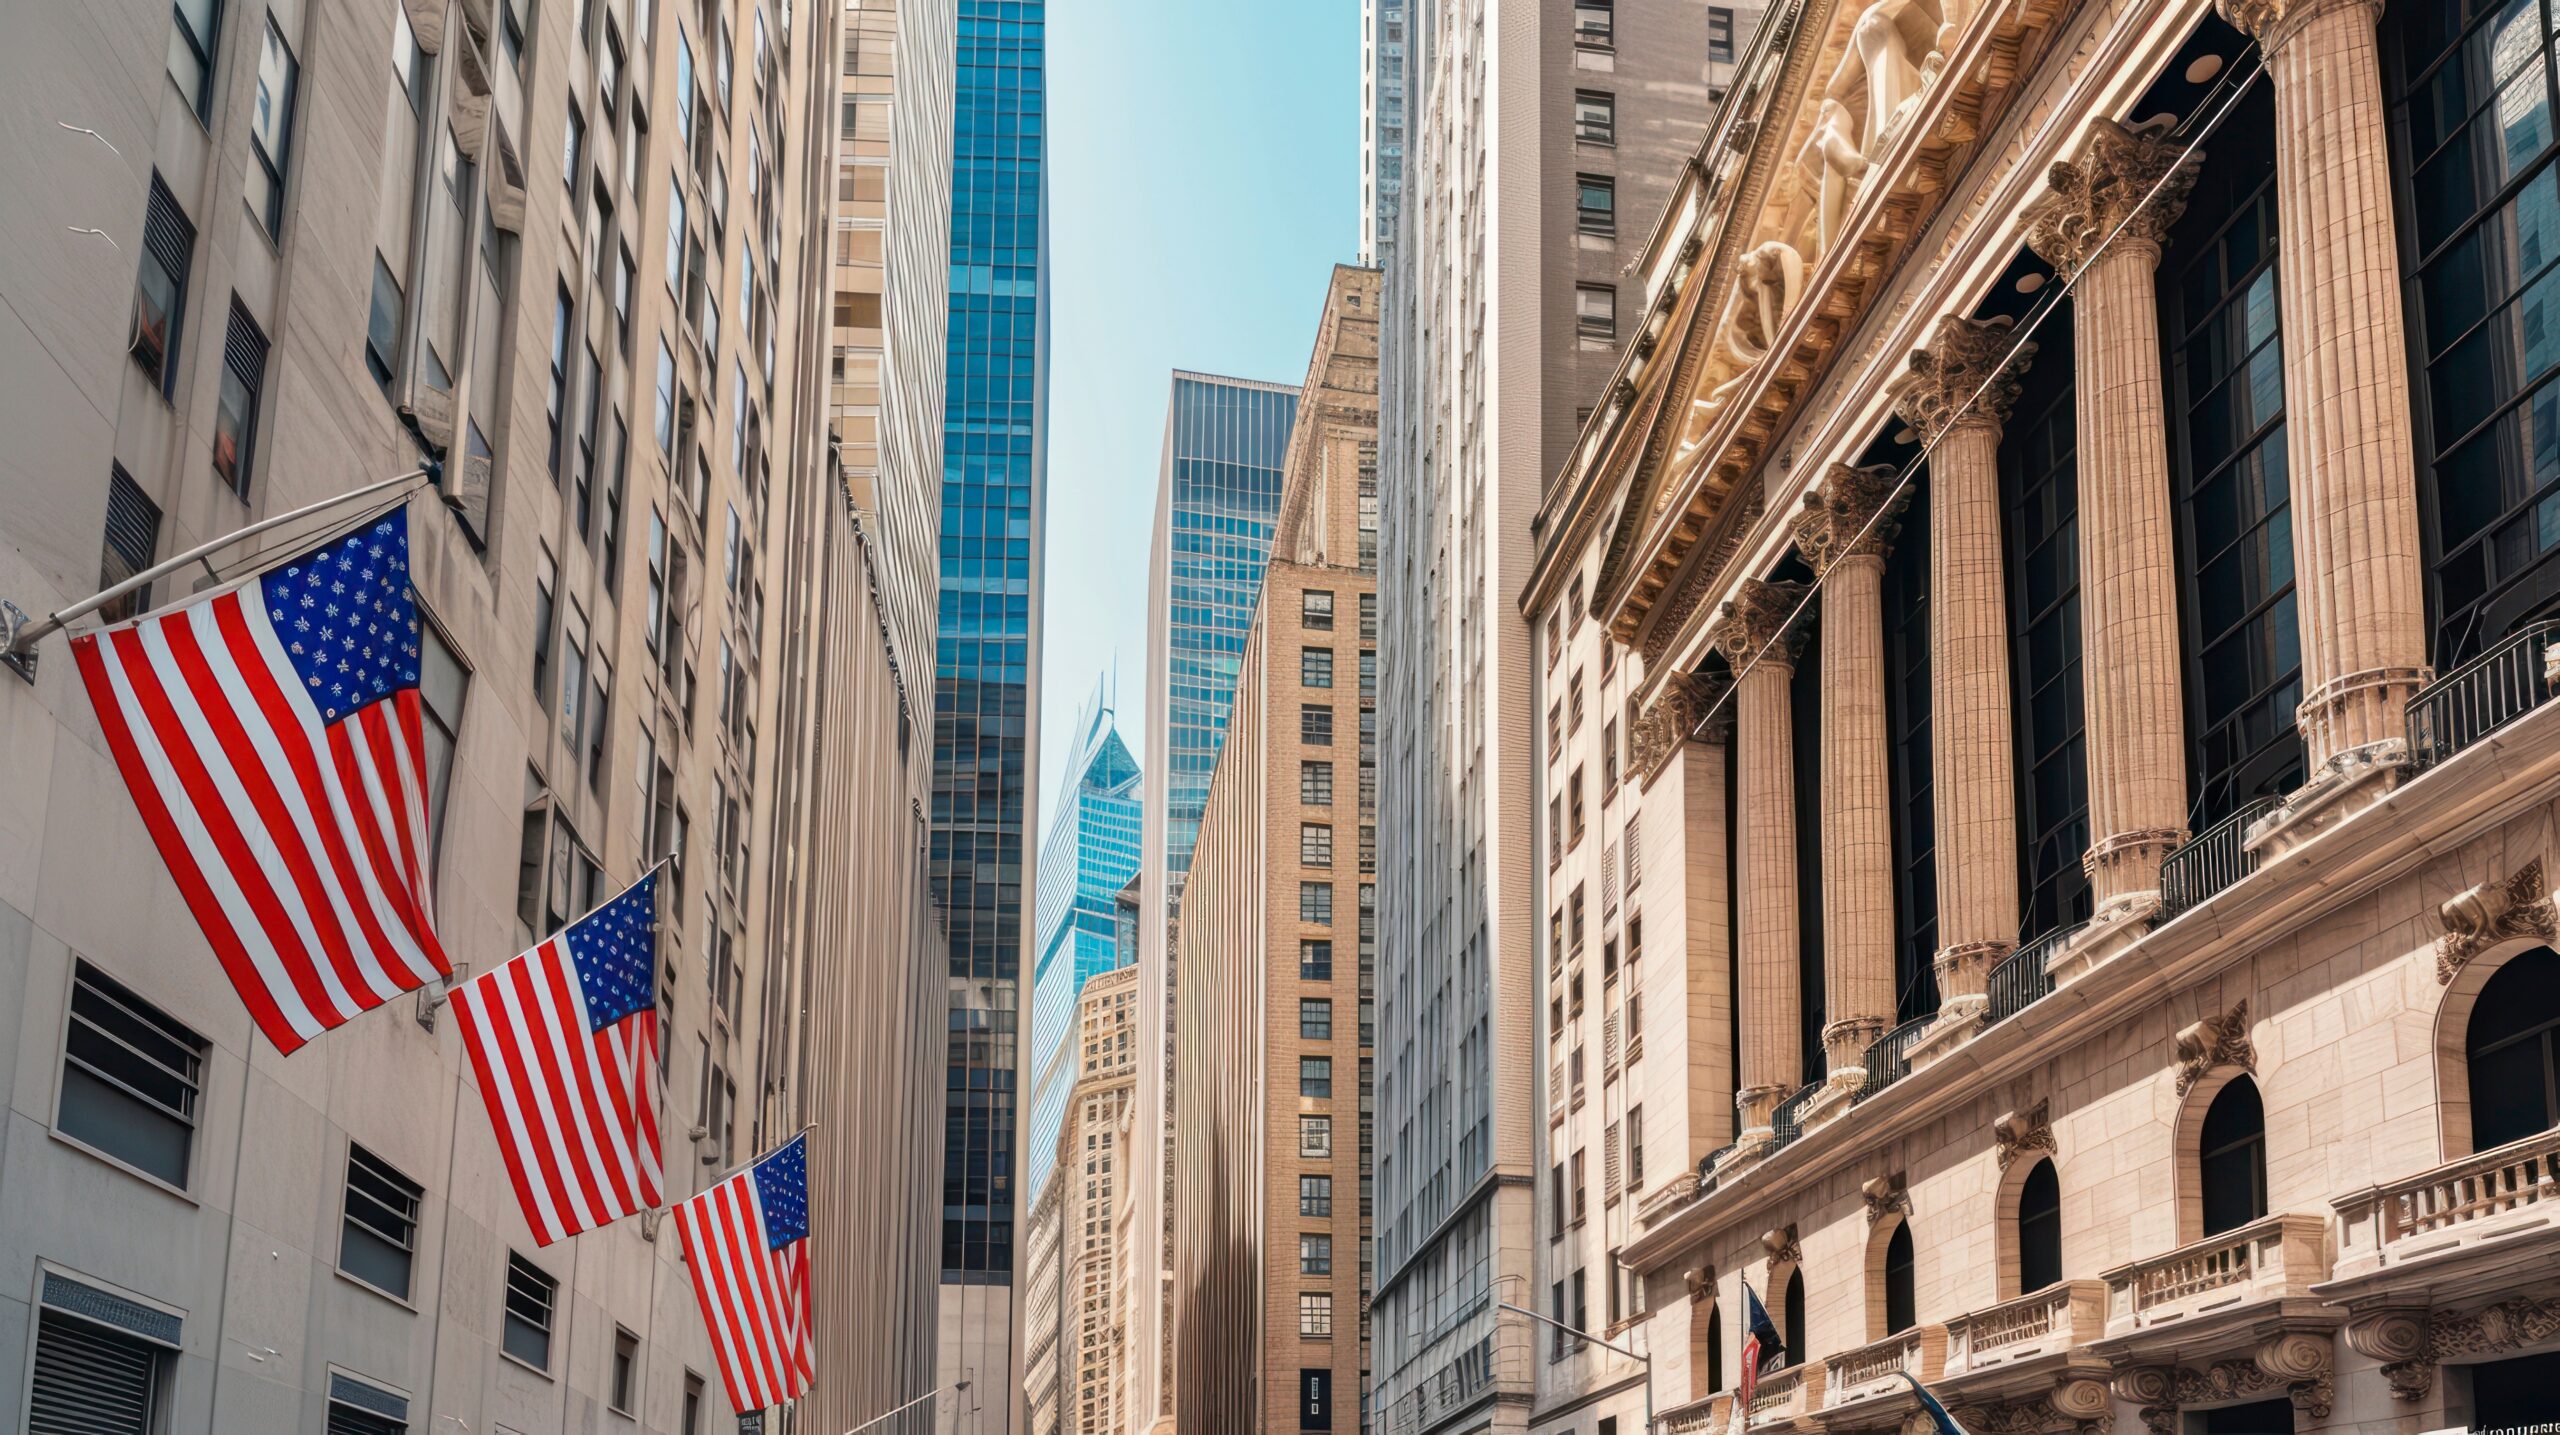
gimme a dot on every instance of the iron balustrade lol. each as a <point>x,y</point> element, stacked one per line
<point>2481,696</point>
<point>1788,1123</point>
<point>1889,1056</point>
<point>2020,981</point>
<point>2211,860</point>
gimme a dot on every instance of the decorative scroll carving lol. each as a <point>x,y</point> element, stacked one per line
<point>2213,1043</point>
<point>2272,22</point>
<point>1854,513</point>
<point>2294,1361</point>
<point>1969,373</point>
<point>1701,1281</point>
<point>2403,1342</point>
<point>1754,626</point>
<point>2024,1133</point>
<point>1685,710</point>
<point>2495,1329</point>
<point>1782,1246</point>
<point>2494,912</point>
<point>2078,1404</point>
<point>1886,1196</point>
<point>2133,180</point>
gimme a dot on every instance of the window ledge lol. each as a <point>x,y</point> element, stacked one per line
<point>521,1363</point>
<point>119,1163</point>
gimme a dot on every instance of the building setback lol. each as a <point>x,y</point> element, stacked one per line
<point>2044,642</point>
<point>1272,1136</point>
<point>570,249</point>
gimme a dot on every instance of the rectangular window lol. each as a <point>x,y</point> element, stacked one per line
<point>1315,1255</point>
<point>1368,617</point>
<point>160,287</point>
<point>1315,667</point>
<point>1315,961</point>
<point>1315,1137</point>
<point>1594,25</point>
<point>382,325</point>
<point>573,143</point>
<point>1315,1076</point>
<point>1315,610</point>
<point>1315,725</point>
<point>1608,759</point>
<point>1315,1195</point>
<point>556,406</point>
<point>1635,1148</point>
<point>625,274</point>
<point>531,1294</point>
<point>1315,1315</point>
<point>626,1371</point>
<point>582,481</point>
<point>1720,34</point>
<point>1315,1018</point>
<point>1595,117</point>
<point>1315,844</point>
<point>131,1078</point>
<point>1573,794</point>
<point>1595,205</point>
<point>378,1232</point>
<point>1595,312</point>
<point>89,1376</point>
<point>191,42</point>
<point>271,129</point>
<point>133,536</point>
<point>1315,783</point>
<point>1581,1183</point>
<point>675,233</point>
<point>544,578</point>
<point>235,416</point>
<point>691,1424</point>
<point>666,411</point>
<point>1315,902</point>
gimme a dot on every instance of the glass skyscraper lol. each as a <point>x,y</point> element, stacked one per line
<point>1091,852</point>
<point>987,626</point>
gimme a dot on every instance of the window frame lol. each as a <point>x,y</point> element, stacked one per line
<point>141,1009</point>
<point>389,1175</point>
<point>275,166</point>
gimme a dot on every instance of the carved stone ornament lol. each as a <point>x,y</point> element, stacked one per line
<point>1701,1281</point>
<point>1853,513</point>
<point>1754,626</point>
<point>1886,1196</point>
<point>2272,22</point>
<point>2296,1362</point>
<point>1969,373</point>
<point>1741,513</point>
<point>2403,1341</point>
<point>2129,185</point>
<point>1689,708</point>
<point>1782,1246</point>
<point>2494,912</point>
<point>2023,1133</point>
<point>2495,1329</point>
<point>2214,1043</point>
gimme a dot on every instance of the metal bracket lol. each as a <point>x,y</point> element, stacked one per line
<point>430,997</point>
<point>13,621</point>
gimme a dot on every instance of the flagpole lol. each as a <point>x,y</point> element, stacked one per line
<point>1579,1334</point>
<point>20,653</point>
<point>938,1390</point>
<point>760,1155</point>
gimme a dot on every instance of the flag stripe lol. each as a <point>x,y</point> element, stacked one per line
<point>499,1096</point>
<point>516,993</point>
<point>755,1299</point>
<point>582,1077</point>
<point>718,1312</point>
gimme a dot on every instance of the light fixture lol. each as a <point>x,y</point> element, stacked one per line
<point>2203,68</point>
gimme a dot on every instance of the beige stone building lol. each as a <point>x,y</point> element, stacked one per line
<point>2046,636</point>
<point>1040,1274</point>
<point>575,250</point>
<point>1094,1166</point>
<point>1271,1199</point>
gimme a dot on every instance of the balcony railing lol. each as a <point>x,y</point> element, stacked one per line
<point>2272,1257</point>
<point>2212,860</point>
<point>1796,1390</point>
<point>2045,1322</point>
<point>1707,1168</point>
<point>1876,1369</point>
<point>1695,1418</point>
<point>1788,1124</point>
<point>2481,696</point>
<point>1889,1056</point>
<point>2458,1204</point>
<point>2019,982</point>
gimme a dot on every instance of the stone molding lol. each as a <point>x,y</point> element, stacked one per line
<point>1688,708</point>
<point>2295,1362</point>
<point>2129,185</point>
<point>1753,626</point>
<point>2213,1043</point>
<point>2274,22</point>
<point>2024,1133</point>
<point>2076,1403</point>
<point>1853,513</point>
<point>2493,912</point>
<point>2412,1342</point>
<point>1969,373</point>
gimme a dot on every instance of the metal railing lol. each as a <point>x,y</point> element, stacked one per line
<point>2019,982</point>
<point>1707,1167</point>
<point>2211,860</point>
<point>2481,696</point>
<point>1788,1124</point>
<point>1889,1056</point>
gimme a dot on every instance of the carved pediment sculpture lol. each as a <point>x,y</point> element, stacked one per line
<point>1767,281</point>
<point>2494,912</point>
<point>1891,59</point>
<point>2213,1043</point>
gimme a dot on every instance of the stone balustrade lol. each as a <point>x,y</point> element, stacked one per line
<point>1787,1394</point>
<point>2268,1259</point>
<point>1698,1417</point>
<point>1875,1370</point>
<point>2046,1322</point>
<point>2484,1197</point>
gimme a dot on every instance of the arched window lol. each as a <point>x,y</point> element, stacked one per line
<point>1791,1322</point>
<point>2513,1050</point>
<point>2039,1229</point>
<point>2232,1158</point>
<point>1899,1299</point>
<point>1715,1350</point>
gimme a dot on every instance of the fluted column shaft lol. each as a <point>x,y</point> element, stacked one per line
<point>1768,938</point>
<point>2359,577</point>
<point>2135,716</point>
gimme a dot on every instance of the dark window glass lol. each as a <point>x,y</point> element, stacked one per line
<point>235,417</point>
<point>131,1078</point>
<point>1715,1350</point>
<point>2264,1417</point>
<point>271,129</point>
<point>382,325</point>
<point>2233,1158</point>
<point>2512,1394</point>
<point>2226,367</point>
<point>1907,714</point>
<point>1315,725</point>
<point>1899,1298</point>
<point>378,1237</point>
<point>1596,204</point>
<point>160,286</point>
<point>133,536</point>
<point>191,45</point>
<point>2039,1229</point>
<point>530,1297</point>
<point>626,1364</point>
<point>2513,1049</point>
<point>1315,961</point>
<point>2039,478</point>
<point>1791,1329</point>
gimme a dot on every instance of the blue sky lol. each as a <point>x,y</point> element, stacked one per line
<point>1204,179</point>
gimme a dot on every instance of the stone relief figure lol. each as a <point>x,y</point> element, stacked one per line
<point>1892,55</point>
<point>1831,160</point>
<point>1766,283</point>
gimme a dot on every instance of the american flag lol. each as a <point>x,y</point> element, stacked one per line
<point>1762,1351</point>
<point>745,1240</point>
<point>270,733</point>
<point>565,1041</point>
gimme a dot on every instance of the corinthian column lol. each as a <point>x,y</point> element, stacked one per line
<point>2102,225</point>
<point>1754,636</point>
<point>1958,396</point>
<point>1846,530</point>
<point>2359,579</point>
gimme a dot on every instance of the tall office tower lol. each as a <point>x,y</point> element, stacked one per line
<point>986,736</point>
<point>1382,123</point>
<point>1272,1135</point>
<point>1090,854</point>
<point>1217,495</point>
<point>1043,1313</point>
<point>1094,1167</point>
<point>1532,130</point>
<point>322,241</point>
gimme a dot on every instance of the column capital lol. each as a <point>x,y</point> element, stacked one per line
<point>1752,625</point>
<point>2136,178</point>
<point>1854,513</point>
<point>2273,22</point>
<point>1684,711</point>
<point>1968,373</point>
